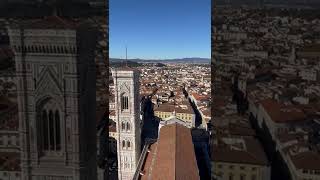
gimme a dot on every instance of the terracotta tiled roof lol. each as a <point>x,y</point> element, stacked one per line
<point>170,108</point>
<point>280,113</point>
<point>236,129</point>
<point>200,97</point>
<point>286,137</point>
<point>206,112</point>
<point>164,108</point>
<point>252,154</point>
<point>306,160</point>
<point>172,156</point>
<point>188,110</point>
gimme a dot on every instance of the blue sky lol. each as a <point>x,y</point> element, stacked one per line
<point>160,29</point>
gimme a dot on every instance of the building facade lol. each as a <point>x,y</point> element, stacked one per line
<point>55,73</point>
<point>184,113</point>
<point>128,126</point>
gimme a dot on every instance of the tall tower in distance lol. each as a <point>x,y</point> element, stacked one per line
<point>55,72</point>
<point>126,81</point>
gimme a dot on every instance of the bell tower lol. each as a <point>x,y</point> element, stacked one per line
<point>55,72</point>
<point>126,82</point>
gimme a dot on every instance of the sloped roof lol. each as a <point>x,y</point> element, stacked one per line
<point>281,113</point>
<point>172,156</point>
<point>306,160</point>
<point>253,153</point>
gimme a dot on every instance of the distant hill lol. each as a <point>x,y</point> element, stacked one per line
<point>194,60</point>
<point>272,3</point>
<point>121,63</point>
<point>65,8</point>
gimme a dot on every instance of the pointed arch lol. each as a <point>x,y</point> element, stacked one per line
<point>51,131</point>
<point>124,101</point>
<point>49,121</point>
<point>123,126</point>
<point>44,128</point>
<point>57,130</point>
<point>128,126</point>
<point>54,49</point>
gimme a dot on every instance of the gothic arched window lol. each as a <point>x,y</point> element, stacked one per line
<point>47,49</point>
<point>45,140</point>
<point>123,144</point>
<point>57,130</point>
<point>123,126</point>
<point>128,126</point>
<point>124,102</point>
<point>128,144</point>
<point>50,128</point>
<point>59,49</point>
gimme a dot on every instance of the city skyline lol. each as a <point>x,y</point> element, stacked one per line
<point>150,30</point>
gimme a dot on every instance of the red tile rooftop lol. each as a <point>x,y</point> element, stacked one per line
<point>199,97</point>
<point>306,160</point>
<point>281,113</point>
<point>188,110</point>
<point>168,107</point>
<point>235,129</point>
<point>172,156</point>
<point>253,153</point>
<point>284,137</point>
<point>164,108</point>
<point>207,112</point>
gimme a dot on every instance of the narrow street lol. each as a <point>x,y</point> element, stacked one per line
<point>198,119</point>
<point>150,123</point>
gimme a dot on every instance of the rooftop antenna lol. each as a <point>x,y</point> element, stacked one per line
<point>126,56</point>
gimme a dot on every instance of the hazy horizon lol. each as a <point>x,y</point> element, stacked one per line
<point>162,58</point>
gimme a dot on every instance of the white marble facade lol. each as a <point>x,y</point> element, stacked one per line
<point>126,83</point>
<point>56,102</point>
